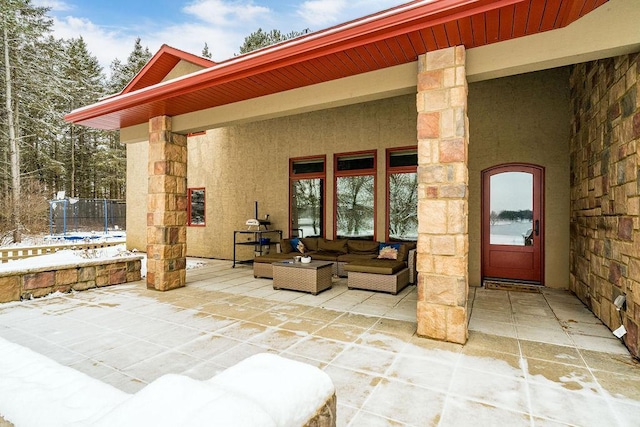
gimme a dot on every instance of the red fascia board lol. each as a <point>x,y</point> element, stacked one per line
<point>396,21</point>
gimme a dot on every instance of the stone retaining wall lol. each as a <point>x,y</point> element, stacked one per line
<point>605,190</point>
<point>41,281</point>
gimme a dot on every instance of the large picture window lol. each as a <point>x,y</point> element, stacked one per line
<point>307,176</point>
<point>402,194</point>
<point>355,190</point>
<point>196,214</point>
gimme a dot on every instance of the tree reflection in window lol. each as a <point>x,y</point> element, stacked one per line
<point>307,177</point>
<point>196,206</point>
<point>355,194</point>
<point>402,193</point>
<point>355,207</point>
<point>403,206</point>
<point>306,209</point>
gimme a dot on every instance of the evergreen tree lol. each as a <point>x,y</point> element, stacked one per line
<point>85,85</point>
<point>206,53</point>
<point>27,82</point>
<point>122,74</point>
<point>259,39</point>
<point>113,159</point>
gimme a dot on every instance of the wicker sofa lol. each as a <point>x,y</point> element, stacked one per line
<point>353,258</point>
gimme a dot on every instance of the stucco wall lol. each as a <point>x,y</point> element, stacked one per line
<point>525,119</point>
<point>239,165</point>
<point>137,188</point>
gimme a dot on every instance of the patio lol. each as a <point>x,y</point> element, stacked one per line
<point>531,359</point>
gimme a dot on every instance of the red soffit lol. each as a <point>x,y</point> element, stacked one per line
<point>392,37</point>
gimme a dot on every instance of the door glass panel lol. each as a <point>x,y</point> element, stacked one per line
<point>511,209</point>
<point>306,207</point>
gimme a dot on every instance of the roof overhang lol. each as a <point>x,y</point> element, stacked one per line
<point>387,39</point>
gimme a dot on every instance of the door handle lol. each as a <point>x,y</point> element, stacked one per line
<point>537,227</point>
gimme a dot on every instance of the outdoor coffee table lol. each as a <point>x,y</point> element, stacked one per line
<point>313,277</point>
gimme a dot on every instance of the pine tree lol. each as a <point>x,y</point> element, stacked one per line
<point>206,53</point>
<point>84,79</point>
<point>23,34</point>
<point>113,159</point>
<point>122,74</point>
<point>259,39</point>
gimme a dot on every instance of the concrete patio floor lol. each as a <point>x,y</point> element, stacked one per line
<point>531,359</point>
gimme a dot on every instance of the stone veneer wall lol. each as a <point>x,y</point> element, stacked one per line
<point>41,281</point>
<point>443,239</point>
<point>605,190</point>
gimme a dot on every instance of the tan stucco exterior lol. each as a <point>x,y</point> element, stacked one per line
<point>239,165</point>
<point>137,179</point>
<point>523,119</point>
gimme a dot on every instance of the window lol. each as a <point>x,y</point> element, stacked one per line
<point>402,194</point>
<point>355,191</point>
<point>196,214</point>
<point>307,177</point>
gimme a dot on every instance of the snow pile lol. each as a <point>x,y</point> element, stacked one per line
<point>265,390</point>
<point>66,257</point>
<point>36,391</point>
<point>71,257</point>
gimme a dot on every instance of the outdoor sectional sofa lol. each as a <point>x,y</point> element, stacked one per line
<point>353,258</point>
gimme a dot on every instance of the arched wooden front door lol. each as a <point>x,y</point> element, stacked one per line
<point>513,223</point>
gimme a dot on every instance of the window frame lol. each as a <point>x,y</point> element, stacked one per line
<point>373,171</point>
<point>389,170</point>
<point>190,191</point>
<point>310,175</point>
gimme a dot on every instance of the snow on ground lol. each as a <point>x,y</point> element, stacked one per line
<point>75,256</point>
<point>37,391</point>
<point>265,390</point>
<point>66,257</point>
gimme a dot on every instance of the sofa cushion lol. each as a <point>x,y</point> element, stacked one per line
<point>354,257</point>
<point>337,245</point>
<point>376,266</point>
<point>274,257</point>
<point>362,246</point>
<point>311,243</point>
<point>325,256</point>
<point>403,252</point>
<point>285,246</point>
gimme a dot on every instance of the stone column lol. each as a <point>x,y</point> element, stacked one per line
<point>443,240</point>
<point>166,207</point>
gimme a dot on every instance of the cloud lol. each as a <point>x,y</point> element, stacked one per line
<point>322,12</point>
<point>104,44</point>
<point>222,24</point>
<point>319,14</point>
<point>54,5</point>
<point>225,13</point>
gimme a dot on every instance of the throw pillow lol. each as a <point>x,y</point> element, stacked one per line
<point>297,245</point>
<point>388,252</point>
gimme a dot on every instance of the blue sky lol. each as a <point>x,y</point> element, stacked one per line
<point>110,27</point>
